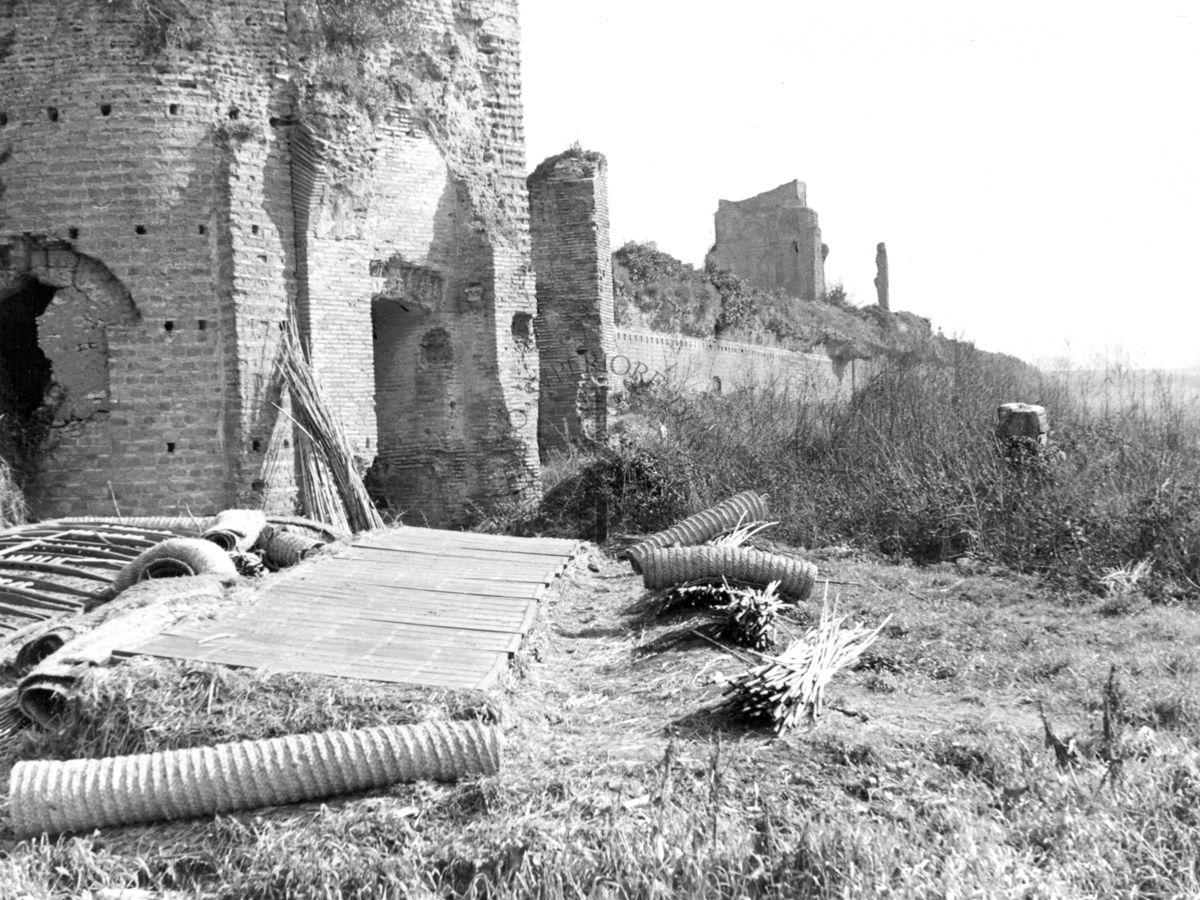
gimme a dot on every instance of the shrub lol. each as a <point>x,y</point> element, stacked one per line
<point>629,488</point>
<point>910,467</point>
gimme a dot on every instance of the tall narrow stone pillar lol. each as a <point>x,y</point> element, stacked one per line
<point>575,329</point>
<point>881,274</point>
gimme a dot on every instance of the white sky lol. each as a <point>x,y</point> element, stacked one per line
<point>1034,167</point>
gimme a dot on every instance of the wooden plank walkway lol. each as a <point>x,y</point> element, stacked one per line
<point>410,605</point>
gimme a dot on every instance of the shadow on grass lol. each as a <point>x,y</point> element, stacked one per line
<point>684,638</point>
<point>712,720</point>
<point>610,631</point>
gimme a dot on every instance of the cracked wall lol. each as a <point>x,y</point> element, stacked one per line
<point>204,170</point>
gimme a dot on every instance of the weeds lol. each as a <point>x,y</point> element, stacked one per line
<point>171,25</point>
<point>911,468</point>
<point>13,509</point>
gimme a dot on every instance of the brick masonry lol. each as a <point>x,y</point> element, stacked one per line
<point>184,203</point>
<point>575,331</point>
<point>585,358</point>
<point>722,366</point>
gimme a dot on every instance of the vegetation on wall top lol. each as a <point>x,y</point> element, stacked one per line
<point>656,291</point>
<point>362,59</point>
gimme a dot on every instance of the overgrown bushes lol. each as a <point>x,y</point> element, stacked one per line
<point>630,489</point>
<point>911,468</point>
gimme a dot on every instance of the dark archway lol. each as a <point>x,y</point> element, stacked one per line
<point>25,370</point>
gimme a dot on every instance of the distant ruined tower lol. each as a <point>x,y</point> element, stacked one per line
<point>773,241</point>
<point>881,274</point>
<point>568,197</point>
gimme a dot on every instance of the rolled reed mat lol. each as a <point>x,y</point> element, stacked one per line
<point>51,797</point>
<point>236,529</point>
<point>669,566</point>
<point>286,548</point>
<point>747,506</point>
<point>177,558</point>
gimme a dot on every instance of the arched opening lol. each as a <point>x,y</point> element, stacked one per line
<point>25,370</point>
<point>56,310</point>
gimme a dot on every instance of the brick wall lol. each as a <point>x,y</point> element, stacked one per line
<point>573,261</point>
<point>189,181</point>
<point>417,263</point>
<point>710,365</point>
<point>117,160</point>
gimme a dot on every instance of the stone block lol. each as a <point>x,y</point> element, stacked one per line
<point>1022,420</point>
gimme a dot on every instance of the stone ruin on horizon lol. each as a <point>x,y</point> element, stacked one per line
<point>773,241</point>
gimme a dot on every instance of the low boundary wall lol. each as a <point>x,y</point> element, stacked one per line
<point>721,366</point>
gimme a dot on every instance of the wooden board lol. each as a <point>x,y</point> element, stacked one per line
<point>409,605</point>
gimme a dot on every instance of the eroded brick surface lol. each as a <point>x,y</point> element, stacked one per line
<point>200,202</point>
<point>575,329</point>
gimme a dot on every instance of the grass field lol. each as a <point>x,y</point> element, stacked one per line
<point>623,779</point>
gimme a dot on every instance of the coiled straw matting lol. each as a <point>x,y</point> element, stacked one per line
<point>177,557</point>
<point>53,797</point>
<point>181,524</point>
<point>664,567</point>
<point>745,507</point>
<point>286,548</point>
<point>324,529</point>
<point>37,649</point>
<point>236,529</point>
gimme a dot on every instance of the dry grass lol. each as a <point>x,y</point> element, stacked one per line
<point>911,468</point>
<point>740,534</point>
<point>624,778</point>
<point>13,508</point>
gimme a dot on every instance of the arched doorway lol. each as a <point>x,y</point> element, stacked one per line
<point>56,309</point>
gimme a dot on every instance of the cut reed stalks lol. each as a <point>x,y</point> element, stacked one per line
<point>752,617</point>
<point>791,685</point>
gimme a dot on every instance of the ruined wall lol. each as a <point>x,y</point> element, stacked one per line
<point>413,231</point>
<point>221,180</point>
<point>119,164</point>
<point>773,241</point>
<point>575,330</point>
<point>585,358</point>
<point>720,366</point>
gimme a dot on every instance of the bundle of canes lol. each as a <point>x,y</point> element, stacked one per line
<point>791,685</point>
<point>330,486</point>
<point>751,616</point>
